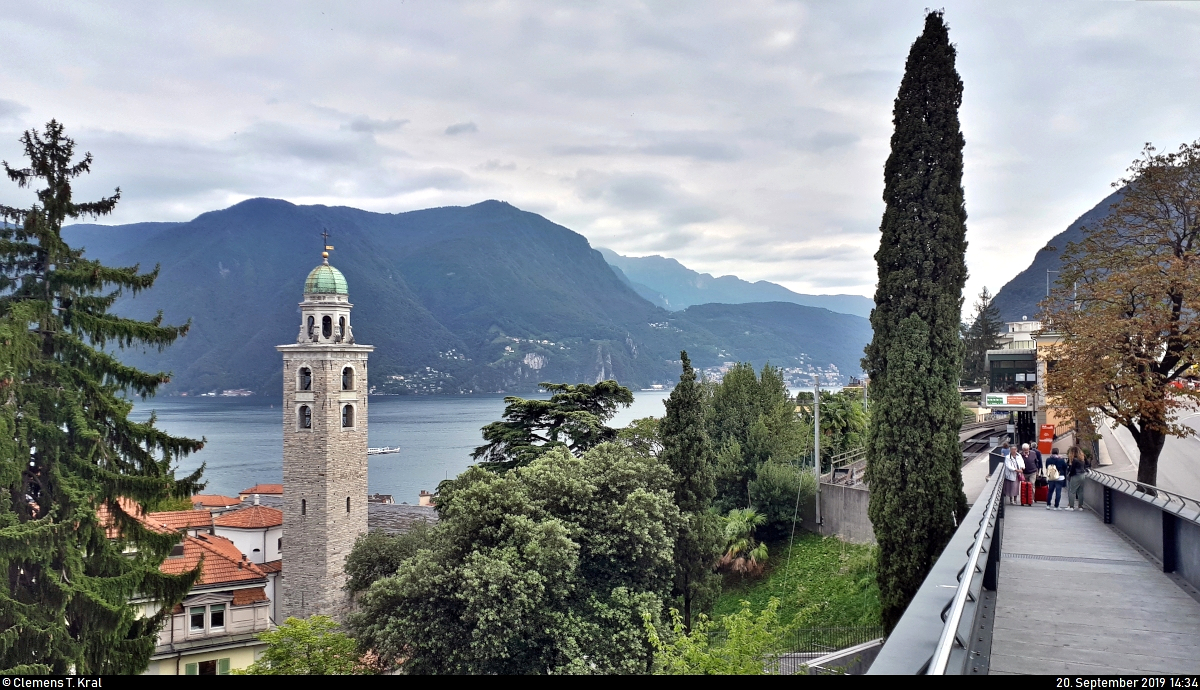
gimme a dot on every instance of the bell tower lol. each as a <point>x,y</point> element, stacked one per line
<point>324,448</point>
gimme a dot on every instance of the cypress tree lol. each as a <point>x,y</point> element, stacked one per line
<point>68,449</point>
<point>688,452</point>
<point>914,462</point>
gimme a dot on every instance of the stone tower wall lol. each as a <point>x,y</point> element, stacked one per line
<point>322,467</point>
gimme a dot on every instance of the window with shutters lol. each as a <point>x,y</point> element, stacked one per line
<point>212,667</point>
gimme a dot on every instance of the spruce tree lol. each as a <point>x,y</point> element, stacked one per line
<point>979,337</point>
<point>686,449</point>
<point>914,462</point>
<point>68,450</point>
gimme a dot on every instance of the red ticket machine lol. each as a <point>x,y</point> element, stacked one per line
<point>1045,439</point>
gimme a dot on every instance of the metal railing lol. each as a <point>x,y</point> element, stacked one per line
<point>825,640</point>
<point>1156,496</point>
<point>947,626</point>
<point>972,569</point>
<point>842,462</point>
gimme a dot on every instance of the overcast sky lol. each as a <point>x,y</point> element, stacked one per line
<point>743,138</point>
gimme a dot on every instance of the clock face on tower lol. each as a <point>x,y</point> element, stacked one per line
<point>324,448</point>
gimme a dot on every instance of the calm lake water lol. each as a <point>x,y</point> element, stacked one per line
<point>436,435</point>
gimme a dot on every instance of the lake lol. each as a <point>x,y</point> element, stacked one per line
<point>436,435</point>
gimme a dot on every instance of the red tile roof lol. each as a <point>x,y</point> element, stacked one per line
<point>105,514</point>
<point>177,520</point>
<point>214,501</point>
<point>254,517</point>
<point>270,489</point>
<point>275,566</point>
<point>249,595</point>
<point>222,561</point>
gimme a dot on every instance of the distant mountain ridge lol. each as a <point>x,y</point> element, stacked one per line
<point>671,285</point>
<point>459,299</point>
<point>1020,296</point>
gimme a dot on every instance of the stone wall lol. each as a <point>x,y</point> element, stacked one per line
<point>324,477</point>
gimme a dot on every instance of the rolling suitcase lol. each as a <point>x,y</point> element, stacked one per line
<point>1039,493</point>
<point>1026,493</point>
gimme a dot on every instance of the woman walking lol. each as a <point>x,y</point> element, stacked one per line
<point>1013,466</point>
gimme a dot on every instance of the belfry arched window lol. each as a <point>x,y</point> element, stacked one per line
<point>326,326</point>
<point>312,324</point>
<point>341,327</point>
<point>348,379</point>
<point>305,379</point>
<point>305,417</point>
<point>348,416</point>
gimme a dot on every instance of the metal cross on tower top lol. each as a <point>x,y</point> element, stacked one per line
<point>325,236</point>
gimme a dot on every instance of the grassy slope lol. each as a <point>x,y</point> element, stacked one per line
<point>832,584</point>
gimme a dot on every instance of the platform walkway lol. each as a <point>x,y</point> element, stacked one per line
<point>1075,597</point>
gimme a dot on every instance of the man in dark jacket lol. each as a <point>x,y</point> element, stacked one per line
<point>1033,461</point>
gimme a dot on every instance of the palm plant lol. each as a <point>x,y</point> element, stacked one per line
<point>743,553</point>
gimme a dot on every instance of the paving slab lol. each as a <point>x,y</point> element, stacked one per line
<point>1075,598</point>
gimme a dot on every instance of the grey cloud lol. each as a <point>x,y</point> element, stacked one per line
<point>668,144</point>
<point>493,164</point>
<point>626,190</point>
<point>10,109</point>
<point>370,125</point>
<point>820,142</point>
<point>597,150</point>
<point>703,150</point>
<point>461,128</point>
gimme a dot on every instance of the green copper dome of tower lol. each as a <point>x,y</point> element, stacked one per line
<point>325,280</point>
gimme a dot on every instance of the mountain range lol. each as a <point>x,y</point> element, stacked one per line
<point>1020,296</point>
<point>673,286</point>
<point>460,299</point>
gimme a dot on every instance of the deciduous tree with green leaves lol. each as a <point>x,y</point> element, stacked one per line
<point>311,646</point>
<point>548,568</point>
<point>914,463</point>
<point>751,644</point>
<point>69,447</point>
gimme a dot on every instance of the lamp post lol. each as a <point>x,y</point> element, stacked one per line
<point>817,442</point>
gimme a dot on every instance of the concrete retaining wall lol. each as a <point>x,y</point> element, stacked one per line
<point>843,514</point>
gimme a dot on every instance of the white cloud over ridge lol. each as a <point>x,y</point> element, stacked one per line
<point>745,138</point>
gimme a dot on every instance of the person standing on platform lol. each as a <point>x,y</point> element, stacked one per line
<point>1012,473</point>
<point>1056,474</point>
<point>1077,467</point>
<point>1032,462</point>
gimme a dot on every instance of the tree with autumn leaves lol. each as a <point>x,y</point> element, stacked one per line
<point>1128,307</point>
